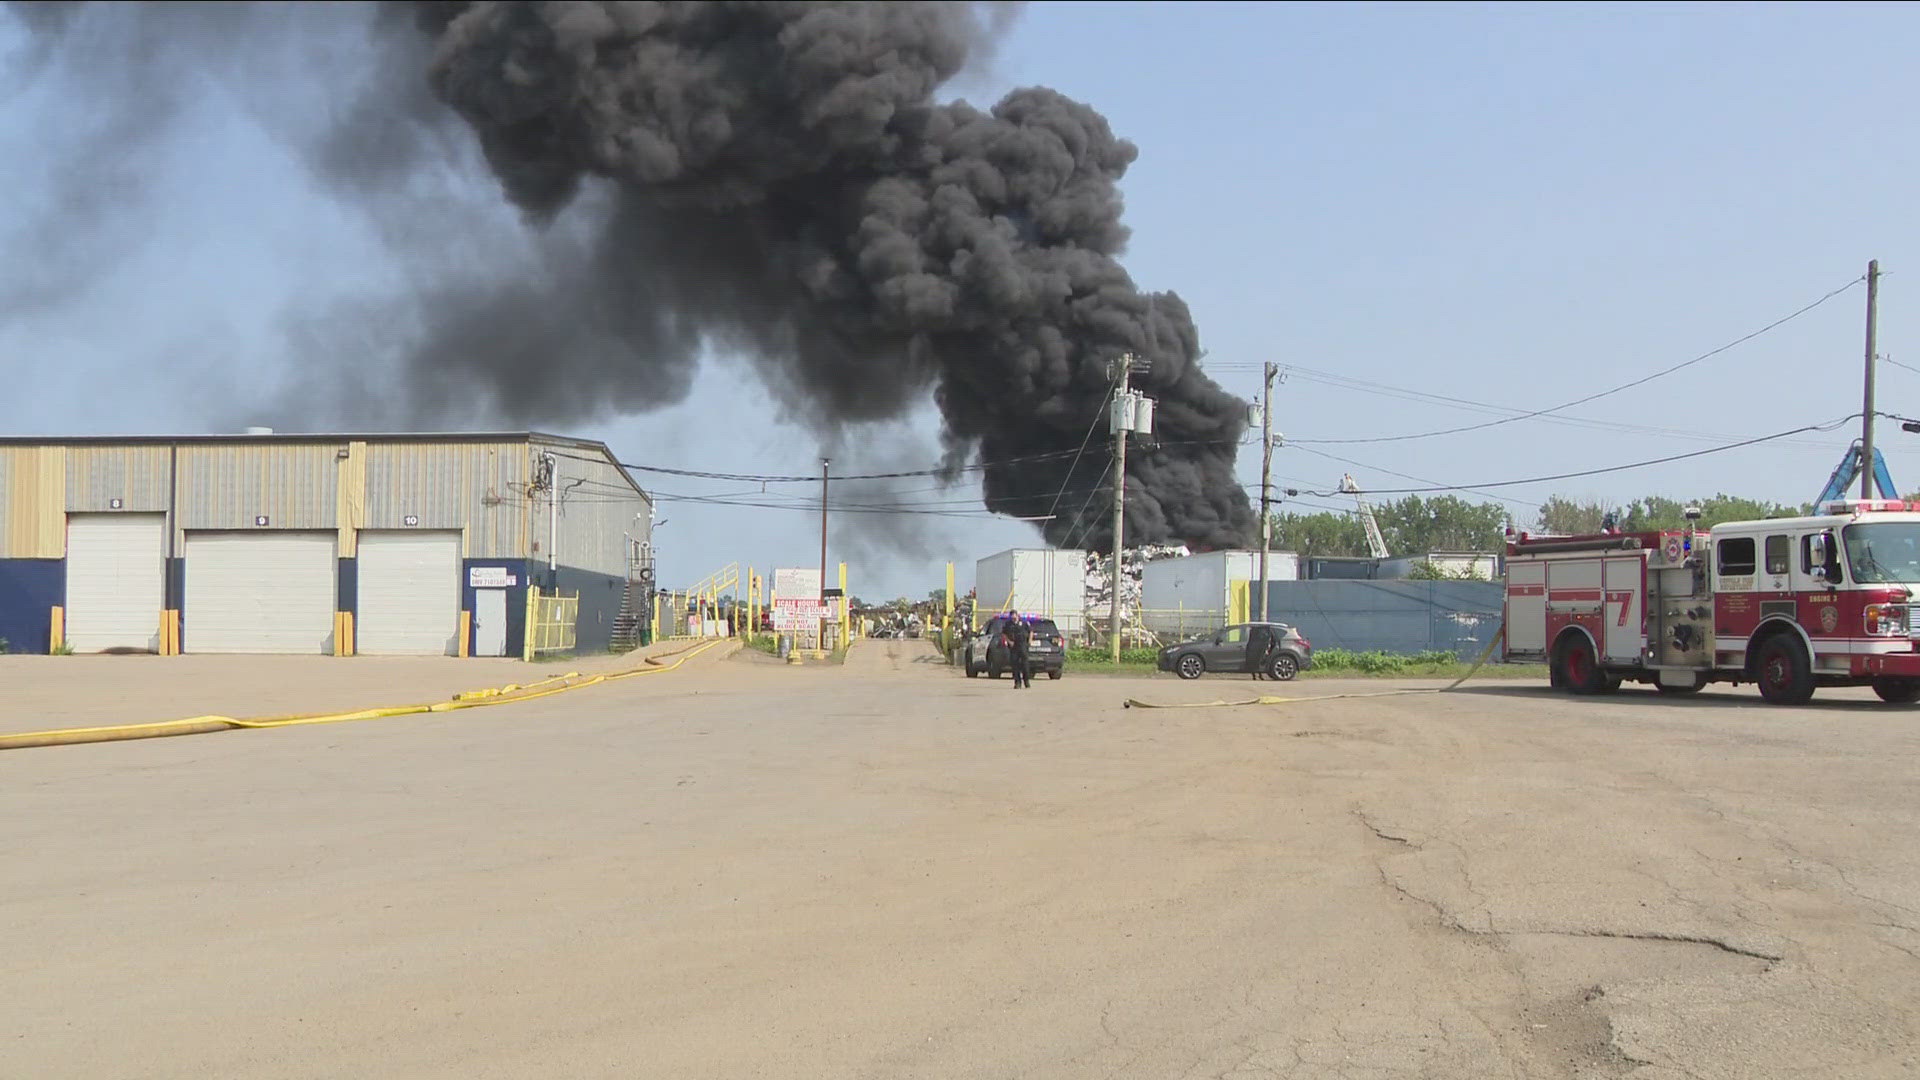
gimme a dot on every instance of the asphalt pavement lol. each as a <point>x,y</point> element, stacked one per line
<point>883,869</point>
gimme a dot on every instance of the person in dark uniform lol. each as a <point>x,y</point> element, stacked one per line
<point>1019,638</point>
<point>1259,647</point>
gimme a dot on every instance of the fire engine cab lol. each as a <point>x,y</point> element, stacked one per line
<point>1788,603</point>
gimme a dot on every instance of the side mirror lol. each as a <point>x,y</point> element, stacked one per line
<point>1819,550</point>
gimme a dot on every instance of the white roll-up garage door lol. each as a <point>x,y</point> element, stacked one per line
<point>259,592</point>
<point>409,593</point>
<point>116,570</point>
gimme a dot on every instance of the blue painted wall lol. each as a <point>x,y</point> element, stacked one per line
<point>29,591</point>
<point>1404,617</point>
<point>516,600</point>
<point>599,605</point>
<point>347,586</point>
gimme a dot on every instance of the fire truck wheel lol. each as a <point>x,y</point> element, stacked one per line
<point>1579,670</point>
<point>1897,691</point>
<point>1784,674</point>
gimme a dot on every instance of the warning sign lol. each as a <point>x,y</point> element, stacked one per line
<point>798,616</point>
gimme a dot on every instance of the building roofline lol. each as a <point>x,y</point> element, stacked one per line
<point>531,438</point>
<point>291,436</point>
<point>599,447</point>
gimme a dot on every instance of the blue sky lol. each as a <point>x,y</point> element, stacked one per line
<point>1513,205</point>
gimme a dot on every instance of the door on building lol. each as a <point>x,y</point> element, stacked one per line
<point>490,622</point>
<point>259,592</point>
<point>409,594</point>
<point>116,574</point>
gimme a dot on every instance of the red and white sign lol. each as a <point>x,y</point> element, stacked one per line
<point>798,616</point>
<point>796,601</point>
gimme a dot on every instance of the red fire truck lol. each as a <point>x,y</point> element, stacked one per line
<point>1790,604</point>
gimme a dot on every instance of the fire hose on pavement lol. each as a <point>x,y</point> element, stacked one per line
<point>472,699</point>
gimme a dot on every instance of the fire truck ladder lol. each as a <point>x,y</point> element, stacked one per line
<point>1376,544</point>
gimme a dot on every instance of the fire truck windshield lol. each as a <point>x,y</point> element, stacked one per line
<point>1884,552</point>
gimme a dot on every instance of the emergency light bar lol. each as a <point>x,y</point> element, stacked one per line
<point>1863,506</point>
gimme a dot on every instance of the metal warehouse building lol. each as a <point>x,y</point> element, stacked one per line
<point>330,544</point>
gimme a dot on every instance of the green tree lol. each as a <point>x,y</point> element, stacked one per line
<point>1417,526</point>
<point>1562,516</point>
<point>1319,535</point>
<point>1659,512</point>
<point>1572,517</point>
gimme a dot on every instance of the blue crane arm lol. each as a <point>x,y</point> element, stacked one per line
<point>1849,470</point>
<point>1842,477</point>
<point>1882,477</point>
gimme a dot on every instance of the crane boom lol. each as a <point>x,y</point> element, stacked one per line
<point>1376,543</point>
<point>1849,469</point>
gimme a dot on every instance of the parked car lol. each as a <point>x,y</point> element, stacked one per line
<point>1046,651</point>
<point>1225,651</point>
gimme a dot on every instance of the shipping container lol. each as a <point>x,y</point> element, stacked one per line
<point>1034,581</point>
<point>1183,596</point>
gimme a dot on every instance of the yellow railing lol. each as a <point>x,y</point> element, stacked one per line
<point>695,612</point>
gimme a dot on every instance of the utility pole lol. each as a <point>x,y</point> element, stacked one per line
<point>553,519</point>
<point>825,463</point>
<point>1119,496</point>
<point>1866,411</point>
<point>1266,483</point>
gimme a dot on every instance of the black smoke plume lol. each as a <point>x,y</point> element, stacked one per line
<point>780,180</point>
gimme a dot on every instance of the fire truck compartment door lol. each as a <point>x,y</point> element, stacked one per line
<point>1526,607</point>
<point>1621,610</point>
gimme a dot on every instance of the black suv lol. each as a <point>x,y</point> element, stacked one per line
<point>1046,650</point>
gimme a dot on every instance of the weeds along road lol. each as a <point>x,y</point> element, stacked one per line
<point>887,870</point>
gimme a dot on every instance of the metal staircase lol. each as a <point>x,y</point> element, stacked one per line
<point>636,601</point>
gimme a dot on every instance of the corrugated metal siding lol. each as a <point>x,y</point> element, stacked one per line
<point>136,475</point>
<point>225,487</point>
<point>478,487</point>
<point>33,496</point>
<point>596,516</point>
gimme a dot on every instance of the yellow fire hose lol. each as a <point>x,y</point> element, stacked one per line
<point>471,699</point>
<point>1485,655</point>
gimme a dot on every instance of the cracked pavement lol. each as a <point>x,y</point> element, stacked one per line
<point>886,870</point>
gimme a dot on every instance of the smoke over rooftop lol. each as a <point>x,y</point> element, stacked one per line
<point>782,181</point>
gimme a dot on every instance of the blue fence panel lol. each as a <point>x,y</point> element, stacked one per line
<point>1404,617</point>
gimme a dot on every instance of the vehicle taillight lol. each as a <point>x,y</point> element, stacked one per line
<point>1305,644</point>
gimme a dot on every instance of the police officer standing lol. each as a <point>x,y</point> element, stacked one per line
<point>1259,649</point>
<point>1019,637</point>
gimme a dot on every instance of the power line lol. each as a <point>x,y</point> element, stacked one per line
<point>1403,476</point>
<point>1743,339</point>
<point>938,470</point>
<point>1402,393</point>
<point>1112,384</point>
<point>1827,426</point>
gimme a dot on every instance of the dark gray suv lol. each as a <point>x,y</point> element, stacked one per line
<point>1225,651</point>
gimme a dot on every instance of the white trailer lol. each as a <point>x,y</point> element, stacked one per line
<point>1034,581</point>
<point>1186,595</point>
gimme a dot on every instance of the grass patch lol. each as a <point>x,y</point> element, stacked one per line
<point>1327,664</point>
<point>1081,654</point>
